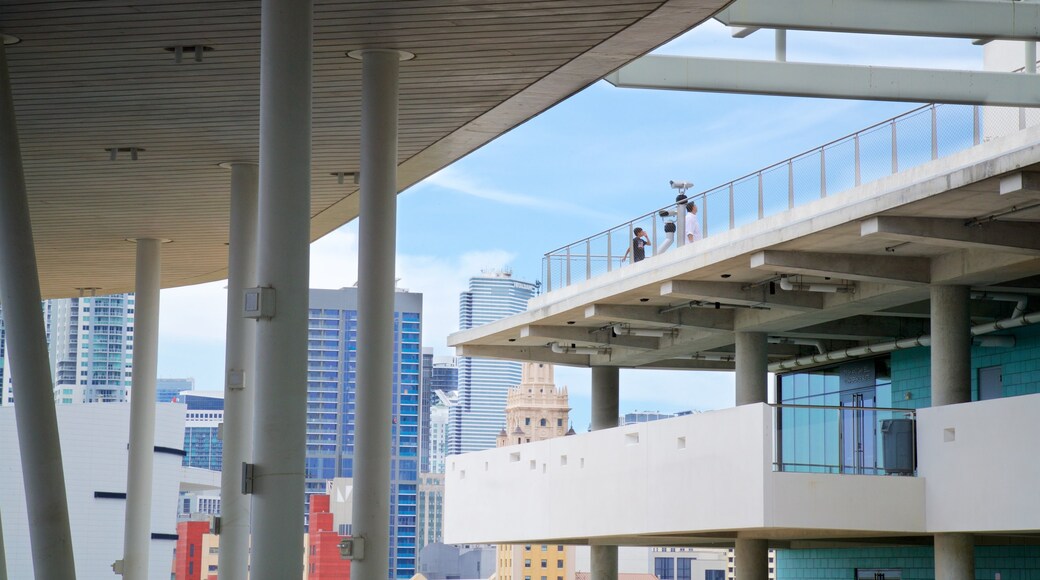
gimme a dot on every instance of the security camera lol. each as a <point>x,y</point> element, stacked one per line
<point>681,185</point>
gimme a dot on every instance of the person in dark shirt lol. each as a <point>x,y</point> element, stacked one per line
<point>638,247</point>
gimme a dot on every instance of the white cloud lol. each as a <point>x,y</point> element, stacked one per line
<point>453,179</point>
<point>194,312</point>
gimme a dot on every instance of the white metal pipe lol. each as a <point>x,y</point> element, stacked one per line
<point>37,424</point>
<point>238,378</point>
<point>904,343</point>
<point>283,254</point>
<point>137,532</point>
<point>788,285</point>
<point>376,267</point>
<point>589,350</point>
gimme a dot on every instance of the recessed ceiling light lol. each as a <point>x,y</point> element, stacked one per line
<point>570,322</point>
<point>341,176</point>
<point>113,152</point>
<point>10,39</point>
<point>193,49</point>
<point>726,275</point>
<point>512,340</point>
<point>644,300</point>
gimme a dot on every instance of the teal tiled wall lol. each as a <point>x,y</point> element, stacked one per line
<point>916,563</point>
<point>1020,366</point>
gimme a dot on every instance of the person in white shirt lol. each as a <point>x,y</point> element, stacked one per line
<point>693,225</point>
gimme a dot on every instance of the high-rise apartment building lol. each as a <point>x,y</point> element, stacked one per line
<point>91,347</point>
<point>202,444</point>
<point>169,390</point>
<point>438,433</point>
<point>535,411</point>
<point>331,392</point>
<point>431,510</point>
<point>439,373</point>
<point>483,383</point>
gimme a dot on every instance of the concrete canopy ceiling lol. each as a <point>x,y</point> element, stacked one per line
<point>88,76</point>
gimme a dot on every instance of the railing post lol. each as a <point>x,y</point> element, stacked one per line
<point>588,258</point>
<point>855,142</point>
<point>761,203</point>
<point>630,251</point>
<point>548,272</point>
<point>935,134</point>
<point>653,228</point>
<point>704,215</point>
<point>1021,118</point>
<point>567,267</point>
<point>732,220</point>
<point>790,184</point>
<point>895,149</point>
<point>610,253</point>
<point>976,129</point>
<point>823,172</point>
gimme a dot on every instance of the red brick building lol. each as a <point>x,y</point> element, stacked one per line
<point>323,559</point>
<point>187,563</point>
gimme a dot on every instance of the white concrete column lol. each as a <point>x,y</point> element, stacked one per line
<point>3,557</point>
<point>238,377</point>
<point>37,422</point>
<point>280,403</point>
<point>751,559</point>
<point>605,405</point>
<point>137,533</point>
<point>752,367</point>
<point>954,557</point>
<point>951,345</point>
<point>376,267</point>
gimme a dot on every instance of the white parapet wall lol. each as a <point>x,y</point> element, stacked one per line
<point>981,465</point>
<point>695,474</point>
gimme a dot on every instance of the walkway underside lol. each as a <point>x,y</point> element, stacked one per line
<point>125,110</point>
<point>969,219</point>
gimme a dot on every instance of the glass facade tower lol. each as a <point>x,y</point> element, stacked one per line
<point>331,392</point>
<point>475,421</point>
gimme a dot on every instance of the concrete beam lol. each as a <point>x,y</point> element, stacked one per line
<point>523,353</point>
<point>1017,237</point>
<point>1021,184</point>
<point>698,318</point>
<point>858,328</point>
<point>800,79</point>
<point>734,293</point>
<point>689,364</point>
<point>954,18</point>
<point>865,268</point>
<point>580,334</point>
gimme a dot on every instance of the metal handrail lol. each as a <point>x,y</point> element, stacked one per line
<point>966,132</point>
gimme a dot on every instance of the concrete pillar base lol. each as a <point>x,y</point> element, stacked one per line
<point>751,559</point>
<point>954,557</point>
<point>604,560</point>
<point>752,369</point>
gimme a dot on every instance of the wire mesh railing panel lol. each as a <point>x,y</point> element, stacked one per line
<point>914,139</point>
<point>875,153</point>
<point>807,183</point>
<point>745,200</point>
<point>999,121</point>
<point>955,129</point>
<point>775,190</point>
<point>841,163</point>
<point>714,211</point>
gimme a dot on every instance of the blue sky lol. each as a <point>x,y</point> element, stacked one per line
<point>595,160</point>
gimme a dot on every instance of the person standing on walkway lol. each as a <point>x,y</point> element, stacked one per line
<point>638,246</point>
<point>693,225</point>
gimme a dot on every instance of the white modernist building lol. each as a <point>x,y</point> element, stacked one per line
<point>94,449</point>
<point>890,280</point>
